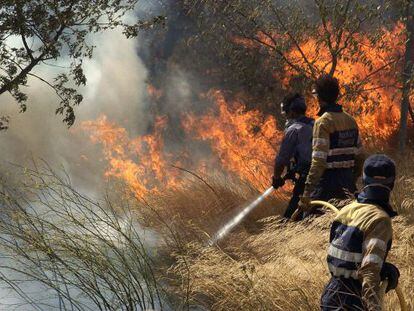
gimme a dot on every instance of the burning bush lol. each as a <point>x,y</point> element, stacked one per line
<point>283,266</point>
<point>246,55</point>
<point>88,254</point>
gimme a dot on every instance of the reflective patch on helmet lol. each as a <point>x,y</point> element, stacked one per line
<point>282,109</point>
<point>378,179</point>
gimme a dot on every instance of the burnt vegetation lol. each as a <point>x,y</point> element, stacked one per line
<point>256,51</point>
<point>89,254</point>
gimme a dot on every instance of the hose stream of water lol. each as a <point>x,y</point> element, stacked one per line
<point>239,217</point>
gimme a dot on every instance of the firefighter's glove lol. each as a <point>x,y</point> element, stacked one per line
<point>390,273</point>
<point>305,203</point>
<point>277,182</point>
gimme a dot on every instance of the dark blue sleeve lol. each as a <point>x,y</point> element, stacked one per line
<point>287,147</point>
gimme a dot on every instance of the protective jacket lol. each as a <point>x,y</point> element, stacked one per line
<point>296,144</point>
<point>360,239</point>
<point>337,155</point>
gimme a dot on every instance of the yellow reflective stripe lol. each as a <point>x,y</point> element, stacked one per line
<point>342,164</point>
<point>320,155</point>
<point>372,258</point>
<point>320,142</point>
<point>340,151</point>
<point>344,255</point>
<point>336,271</point>
<point>375,243</point>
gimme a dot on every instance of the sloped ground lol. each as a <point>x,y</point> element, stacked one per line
<point>277,265</point>
<point>264,264</point>
<point>282,268</point>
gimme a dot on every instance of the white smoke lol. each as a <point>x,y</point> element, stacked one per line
<point>116,87</point>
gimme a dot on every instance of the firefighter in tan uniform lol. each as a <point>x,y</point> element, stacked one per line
<point>337,155</point>
<point>360,240</point>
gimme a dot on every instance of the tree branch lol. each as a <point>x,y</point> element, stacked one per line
<point>22,75</point>
<point>295,42</point>
<point>298,69</point>
<point>21,19</point>
<point>328,35</point>
<point>339,39</point>
<point>47,83</point>
<point>373,73</point>
<point>28,49</point>
<point>342,28</point>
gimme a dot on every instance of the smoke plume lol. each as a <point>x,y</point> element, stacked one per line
<point>116,87</point>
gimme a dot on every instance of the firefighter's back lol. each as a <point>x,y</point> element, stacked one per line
<point>342,132</point>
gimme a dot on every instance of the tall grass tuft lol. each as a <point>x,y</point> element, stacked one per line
<point>93,255</point>
<point>85,254</point>
<point>281,266</point>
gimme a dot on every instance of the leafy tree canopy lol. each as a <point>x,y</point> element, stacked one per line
<point>51,29</point>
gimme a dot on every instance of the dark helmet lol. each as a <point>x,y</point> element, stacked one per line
<point>379,169</point>
<point>327,88</point>
<point>293,103</point>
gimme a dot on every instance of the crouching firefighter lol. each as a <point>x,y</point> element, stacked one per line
<point>295,150</point>
<point>360,240</point>
<point>337,155</point>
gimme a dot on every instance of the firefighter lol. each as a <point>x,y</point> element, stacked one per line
<point>337,155</point>
<point>360,240</point>
<point>295,150</point>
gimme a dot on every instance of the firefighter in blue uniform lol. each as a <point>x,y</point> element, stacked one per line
<point>296,148</point>
<point>360,240</point>
<point>337,154</point>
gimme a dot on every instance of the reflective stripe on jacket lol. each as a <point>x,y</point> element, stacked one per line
<point>336,145</point>
<point>360,239</point>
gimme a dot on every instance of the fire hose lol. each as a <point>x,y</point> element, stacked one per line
<point>384,284</point>
<point>242,214</point>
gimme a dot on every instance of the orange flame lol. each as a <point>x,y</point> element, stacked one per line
<point>245,141</point>
<point>141,162</point>
<point>154,92</point>
<point>376,108</point>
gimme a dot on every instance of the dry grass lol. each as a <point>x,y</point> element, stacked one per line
<point>277,266</point>
<point>90,255</point>
<point>282,268</point>
<point>60,250</point>
<point>264,264</point>
<point>196,211</point>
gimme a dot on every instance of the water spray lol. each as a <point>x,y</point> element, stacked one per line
<point>239,217</point>
<point>290,175</point>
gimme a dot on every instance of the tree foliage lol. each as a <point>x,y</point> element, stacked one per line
<point>34,33</point>
<point>280,27</point>
<point>407,8</point>
<point>263,48</point>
